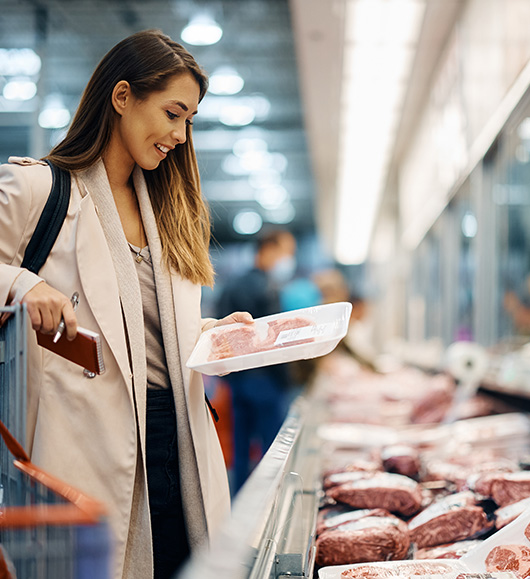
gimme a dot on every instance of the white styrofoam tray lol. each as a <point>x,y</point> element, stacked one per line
<point>403,569</point>
<point>328,325</point>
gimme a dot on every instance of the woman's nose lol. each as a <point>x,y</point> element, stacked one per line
<point>179,135</point>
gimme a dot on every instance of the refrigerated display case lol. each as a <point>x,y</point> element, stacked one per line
<point>271,531</point>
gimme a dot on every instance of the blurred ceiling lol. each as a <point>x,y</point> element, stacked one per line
<point>71,36</point>
<point>290,56</point>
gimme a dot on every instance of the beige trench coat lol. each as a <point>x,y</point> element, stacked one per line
<point>85,431</point>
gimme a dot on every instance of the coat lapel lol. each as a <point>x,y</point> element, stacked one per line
<point>178,337</point>
<point>96,275</point>
<point>96,181</point>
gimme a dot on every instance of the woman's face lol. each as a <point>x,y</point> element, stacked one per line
<point>150,128</point>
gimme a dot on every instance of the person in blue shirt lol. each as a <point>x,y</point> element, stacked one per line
<point>260,395</point>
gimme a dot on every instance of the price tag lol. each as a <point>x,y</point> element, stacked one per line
<point>305,333</point>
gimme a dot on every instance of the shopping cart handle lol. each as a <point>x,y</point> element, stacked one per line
<point>12,444</point>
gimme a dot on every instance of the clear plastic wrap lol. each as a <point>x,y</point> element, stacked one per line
<point>284,337</point>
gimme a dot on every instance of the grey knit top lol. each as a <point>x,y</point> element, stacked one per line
<point>157,373</point>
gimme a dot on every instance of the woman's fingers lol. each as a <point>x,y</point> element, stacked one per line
<point>234,318</point>
<point>46,307</point>
<point>70,321</point>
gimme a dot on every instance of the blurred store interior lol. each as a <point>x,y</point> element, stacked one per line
<point>391,137</point>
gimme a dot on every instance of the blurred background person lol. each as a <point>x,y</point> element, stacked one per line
<point>517,305</point>
<point>259,396</point>
<point>332,285</point>
<point>301,292</point>
<point>358,342</point>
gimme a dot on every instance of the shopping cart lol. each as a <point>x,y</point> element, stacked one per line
<point>13,371</point>
<point>48,530</point>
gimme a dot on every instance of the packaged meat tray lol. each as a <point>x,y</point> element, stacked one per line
<point>426,569</point>
<point>284,337</point>
<point>506,550</point>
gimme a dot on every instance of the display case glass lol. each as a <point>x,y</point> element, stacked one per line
<point>270,533</point>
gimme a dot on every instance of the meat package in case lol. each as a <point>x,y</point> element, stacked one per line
<point>502,555</point>
<point>506,550</point>
<point>284,337</point>
<point>426,569</point>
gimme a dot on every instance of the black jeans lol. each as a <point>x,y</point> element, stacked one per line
<point>170,541</point>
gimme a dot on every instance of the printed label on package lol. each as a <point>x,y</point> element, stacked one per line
<point>305,334</point>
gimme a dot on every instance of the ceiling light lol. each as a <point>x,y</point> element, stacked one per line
<point>202,30</point>
<point>522,154</point>
<point>247,222</point>
<point>245,145</point>
<point>19,61</point>
<point>54,114</point>
<point>256,160</point>
<point>380,39</point>
<point>265,178</point>
<point>233,110</point>
<point>232,166</point>
<point>20,89</point>
<point>469,224</point>
<point>225,81</point>
<point>237,115</point>
<point>279,162</point>
<point>272,197</point>
<point>261,106</point>
<point>523,130</point>
<point>282,215</point>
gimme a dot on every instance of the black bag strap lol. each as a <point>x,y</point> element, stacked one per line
<point>50,221</point>
<point>212,409</point>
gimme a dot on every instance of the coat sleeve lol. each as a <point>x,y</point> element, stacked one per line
<point>20,209</point>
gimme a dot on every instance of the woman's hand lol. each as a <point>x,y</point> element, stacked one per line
<point>235,318</point>
<point>46,306</point>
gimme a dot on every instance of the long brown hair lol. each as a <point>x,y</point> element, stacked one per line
<point>147,60</point>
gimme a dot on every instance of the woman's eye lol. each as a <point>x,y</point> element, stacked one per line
<point>171,115</point>
<point>189,123</point>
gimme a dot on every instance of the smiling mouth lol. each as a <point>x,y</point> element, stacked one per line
<point>164,150</point>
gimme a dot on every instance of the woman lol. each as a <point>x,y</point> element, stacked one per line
<point>134,245</point>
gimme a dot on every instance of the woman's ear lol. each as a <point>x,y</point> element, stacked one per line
<point>121,96</point>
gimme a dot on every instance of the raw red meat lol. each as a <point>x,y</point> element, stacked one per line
<point>360,464</point>
<point>449,551</point>
<point>452,518</point>
<point>368,539</point>
<point>433,406</point>
<point>401,459</point>
<point>473,473</point>
<point>393,492</point>
<point>507,514</point>
<point>332,517</point>
<point>236,341</point>
<point>505,488</point>
<point>340,478</point>
<point>514,558</point>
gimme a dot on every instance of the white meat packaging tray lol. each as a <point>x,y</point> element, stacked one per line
<point>276,339</point>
